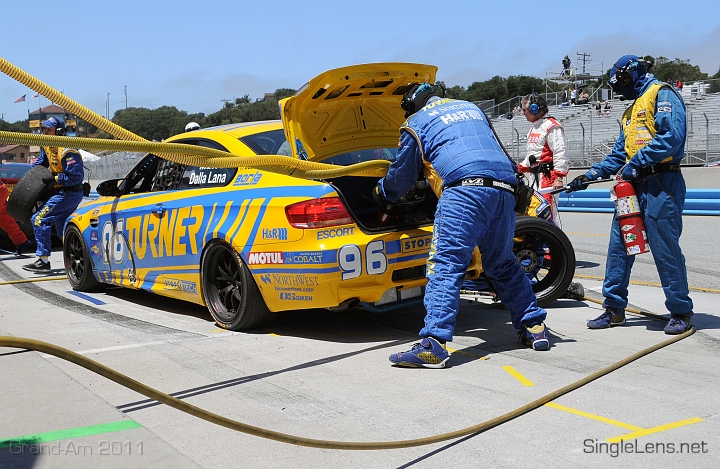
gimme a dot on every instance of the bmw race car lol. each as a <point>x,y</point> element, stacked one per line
<point>248,243</point>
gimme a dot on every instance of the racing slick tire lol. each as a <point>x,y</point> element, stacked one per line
<point>29,189</point>
<point>230,292</point>
<point>78,265</point>
<point>547,257</point>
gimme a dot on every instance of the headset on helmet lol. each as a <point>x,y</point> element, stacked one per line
<point>415,97</point>
<point>622,76</point>
<point>536,104</point>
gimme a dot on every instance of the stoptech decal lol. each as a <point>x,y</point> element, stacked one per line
<point>255,258</point>
<point>416,243</point>
<point>181,285</point>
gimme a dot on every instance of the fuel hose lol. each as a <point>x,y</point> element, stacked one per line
<point>109,373</point>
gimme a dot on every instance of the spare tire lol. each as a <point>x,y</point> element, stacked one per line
<point>28,190</point>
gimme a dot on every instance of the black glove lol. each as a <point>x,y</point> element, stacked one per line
<point>578,184</point>
<point>49,180</point>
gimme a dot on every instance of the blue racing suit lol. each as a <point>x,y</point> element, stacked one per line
<point>661,196</point>
<point>66,164</point>
<point>453,140</point>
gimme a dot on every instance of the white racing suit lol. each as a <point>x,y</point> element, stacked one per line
<point>546,144</point>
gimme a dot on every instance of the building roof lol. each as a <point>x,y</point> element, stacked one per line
<point>8,148</point>
<point>52,109</point>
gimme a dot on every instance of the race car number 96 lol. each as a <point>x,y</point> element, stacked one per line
<point>351,263</point>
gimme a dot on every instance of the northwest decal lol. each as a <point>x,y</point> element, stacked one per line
<point>295,283</point>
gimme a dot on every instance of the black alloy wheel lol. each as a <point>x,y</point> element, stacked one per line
<point>229,291</point>
<point>546,256</point>
<point>78,265</point>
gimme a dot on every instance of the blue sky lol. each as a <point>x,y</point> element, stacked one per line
<point>193,54</point>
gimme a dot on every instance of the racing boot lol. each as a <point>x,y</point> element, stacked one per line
<point>678,324</point>
<point>534,336</point>
<point>428,353</point>
<point>610,318</point>
<point>37,266</point>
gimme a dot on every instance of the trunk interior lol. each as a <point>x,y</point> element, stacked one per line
<point>356,193</point>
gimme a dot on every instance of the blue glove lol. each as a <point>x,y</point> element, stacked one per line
<point>579,183</point>
<point>630,171</point>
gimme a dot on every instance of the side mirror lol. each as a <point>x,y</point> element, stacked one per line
<point>110,188</point>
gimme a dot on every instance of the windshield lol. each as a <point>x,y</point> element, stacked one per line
<point>360,156</point>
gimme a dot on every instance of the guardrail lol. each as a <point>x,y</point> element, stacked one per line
<point>697,201</point>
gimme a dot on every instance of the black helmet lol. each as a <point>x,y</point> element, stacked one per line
<point>415,98</point>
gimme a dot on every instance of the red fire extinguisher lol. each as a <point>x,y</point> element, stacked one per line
<point>632,228</point>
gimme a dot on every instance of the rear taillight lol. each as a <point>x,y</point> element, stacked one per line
<point>318,213</point>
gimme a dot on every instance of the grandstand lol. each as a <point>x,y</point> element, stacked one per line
<point>590,137</point>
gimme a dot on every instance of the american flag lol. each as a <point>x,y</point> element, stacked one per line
<point>20,99</point>
<point>35,95</point>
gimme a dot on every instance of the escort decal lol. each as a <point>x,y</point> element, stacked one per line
<point>335,233</point>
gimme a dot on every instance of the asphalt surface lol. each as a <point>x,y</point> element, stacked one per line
<point>326,375</point>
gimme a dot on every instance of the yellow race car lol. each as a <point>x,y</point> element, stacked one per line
<point>248,243</point>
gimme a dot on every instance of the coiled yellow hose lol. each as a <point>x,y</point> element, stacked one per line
<point>102,370</point>
<point>175,152</point>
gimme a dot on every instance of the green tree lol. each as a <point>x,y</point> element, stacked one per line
<point>665,69</point>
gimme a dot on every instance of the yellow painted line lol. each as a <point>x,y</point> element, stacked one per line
<point>648,284</point>
<point>514,373</point>
<point>599,418</point>
<point>658,429</point>
<point>460,352</point>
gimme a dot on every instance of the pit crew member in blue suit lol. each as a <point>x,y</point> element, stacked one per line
<point>67,179</point>
<point>647,153</point>
<point>452,143</point>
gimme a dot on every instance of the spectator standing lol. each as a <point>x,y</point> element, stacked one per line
<point>573,96</point>
<point>545,159</point>
<point>564,97</point>
<point>452,143</point>
<point>647,153</point>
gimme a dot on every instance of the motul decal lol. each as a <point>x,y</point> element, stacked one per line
<point>265,258</point>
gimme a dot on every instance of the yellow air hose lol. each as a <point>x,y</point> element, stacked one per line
<point>102,370</point>
<point>202,156</point>
<point>175,152</point>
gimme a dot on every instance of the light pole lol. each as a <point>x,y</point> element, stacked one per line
<point>107,107</point>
